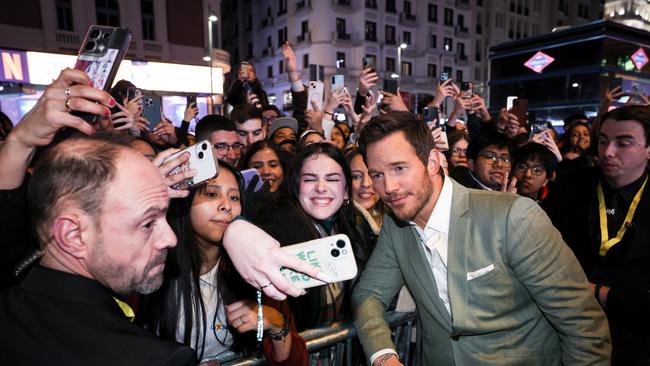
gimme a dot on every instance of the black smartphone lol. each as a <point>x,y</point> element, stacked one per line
<point>191,99</point>
<point>247,86</point>
<point>390,85</point>
<point>369,62</point>
<point>100,55</point>
<point>466,90</point>
<point>431,116</point>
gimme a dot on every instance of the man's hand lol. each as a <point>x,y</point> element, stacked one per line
<point>360,120</point>
<point>394,102</point>
<point>258,259</point>
<point>314,118</point>
<point>478,106</point>
<point>509,186</point>
<point>392,361</point>
<point>166,165</point>
<point>367,80</point>
<point>71,91</point>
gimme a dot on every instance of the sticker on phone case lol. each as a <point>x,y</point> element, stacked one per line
<point>97,67</point>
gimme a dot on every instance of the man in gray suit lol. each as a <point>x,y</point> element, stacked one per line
<point>491,277</point>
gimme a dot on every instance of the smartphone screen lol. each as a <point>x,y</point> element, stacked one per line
<point>510,102</point>
<point>338,82</point>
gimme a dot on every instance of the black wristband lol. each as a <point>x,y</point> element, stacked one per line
<point>279,335</point>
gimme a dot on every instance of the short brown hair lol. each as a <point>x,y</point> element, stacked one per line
<point>416,133</point>
<point>639,113</point>
<point>76,170</point>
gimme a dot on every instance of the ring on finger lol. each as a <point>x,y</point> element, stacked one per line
<point>241,319</point>
<point>67,104</point>
<point>67,92</point>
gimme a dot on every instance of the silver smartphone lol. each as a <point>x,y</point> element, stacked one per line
<point>203,159</point>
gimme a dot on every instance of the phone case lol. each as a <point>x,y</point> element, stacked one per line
<point>203,159</point>
<point>338,82</point>
<point>390,85</point>
<point>100,55</point>
<point>151,105</point>
<point>369,62</point>
<point>315,94</point>
<point>333,254</point>
<point>248,175</point>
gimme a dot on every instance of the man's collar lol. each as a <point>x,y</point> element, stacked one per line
<point>628,191</point>
<point>439,219</point>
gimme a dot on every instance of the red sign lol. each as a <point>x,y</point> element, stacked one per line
<point>639,58</point>
<point>539,62</point>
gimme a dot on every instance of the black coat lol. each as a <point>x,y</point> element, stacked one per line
<point>58,318</point>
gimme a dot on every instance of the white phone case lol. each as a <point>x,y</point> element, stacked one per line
<point>333,254</point>
<point>315,93</point>
<point>202,159</point>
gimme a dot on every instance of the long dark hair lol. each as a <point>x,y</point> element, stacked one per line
<point>259,146</point>
<point>180,292</point>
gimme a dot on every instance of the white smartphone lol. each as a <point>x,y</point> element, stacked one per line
<point>203,159</point>
<point>332,254</point>
<point>315,94</point>
<point>510,102</point>
<point>338,82</point>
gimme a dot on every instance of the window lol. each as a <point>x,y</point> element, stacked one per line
<point>340,26</point>
<point>108,12</point>
<point>371,31</point>
<point>447,69</point>
<point>282,36</point>
<point>431,71</point>
<point>282,7</point>
<point>432,13</point>
<point>269,71</point>
<point>407,68</point>
<point>340,60</point>
<point>304,27</point>
<point>449,17</point>
<point>406,37</point>
<point>477,55</point>
<point>448,44</point>
<point>249,21</point>
<point>372,4</point>
<point>459,76</point>
<point>390,64</point>
<point>280,67</point>
<point>479,2</point>
<point>64,15</point>
<point>249,50</point>
<point>305,61</point>
<point>374,59</point>
<point>390,34</point>
<point>479,27</point>
<point>269,42</point>
<point>148,27</point>
<point>407,8</point>
<point>390,6</point>
<point>461,21</point>
<point>461,51</point>
<point>433,41</point>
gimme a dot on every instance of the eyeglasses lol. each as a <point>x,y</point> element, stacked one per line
<point>537,170</point>
<point>458,151</point>
<point>223,148</point>
<point>492,158</point>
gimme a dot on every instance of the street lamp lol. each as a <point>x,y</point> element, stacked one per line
<point>401,47</point>
<point>211,19</point>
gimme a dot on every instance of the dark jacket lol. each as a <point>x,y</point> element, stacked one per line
<point>58,318</point>
<point>237,94</point>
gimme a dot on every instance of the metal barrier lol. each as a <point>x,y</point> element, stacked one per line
<point>338,340</point>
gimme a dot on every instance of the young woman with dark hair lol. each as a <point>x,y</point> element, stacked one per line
<point>203,302</point>
<point>267,158</point>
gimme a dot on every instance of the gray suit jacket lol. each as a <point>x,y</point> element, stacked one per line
<point>534,307</point>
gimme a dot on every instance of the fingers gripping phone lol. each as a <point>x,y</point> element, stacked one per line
<point>390,85</point>
<point>202,159</point>
<point>332,254</point>
<point>100,56</point>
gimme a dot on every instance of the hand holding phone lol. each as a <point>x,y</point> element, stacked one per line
<point>315,94</point>
<point>390,85</point>
<point>203,160</point>
<point>332,254</point>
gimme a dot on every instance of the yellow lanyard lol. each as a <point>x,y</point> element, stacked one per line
<point>605,242</point>
<point>126,309</point>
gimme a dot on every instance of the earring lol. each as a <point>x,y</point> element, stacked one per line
<point>346,202</point>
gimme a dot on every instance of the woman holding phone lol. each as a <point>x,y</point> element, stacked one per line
<point>315,198</point>
<point>203,303</point>
<point>266,157</point>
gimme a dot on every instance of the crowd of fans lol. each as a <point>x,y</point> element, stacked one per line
<point>92,233</point>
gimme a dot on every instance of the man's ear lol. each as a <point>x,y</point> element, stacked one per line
<point>70,233</point>
<point>433,163</point>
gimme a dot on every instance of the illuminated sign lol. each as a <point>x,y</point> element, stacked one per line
<point>639,58</point>
<point>539,62</point>
<point>13,66</point>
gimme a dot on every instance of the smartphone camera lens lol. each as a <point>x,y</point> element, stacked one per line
<point>90,45</point>
<point>204,146</point>
<point>95,33</point>
<point>340,243</point>
<point>335,253</point>
<point>200,154</point>
<point>106,36</point>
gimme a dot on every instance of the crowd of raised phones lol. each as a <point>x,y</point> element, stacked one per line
<point>316,184</point>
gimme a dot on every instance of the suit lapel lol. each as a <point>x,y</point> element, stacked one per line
<point>420,265</point>
<point>457,256</point>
